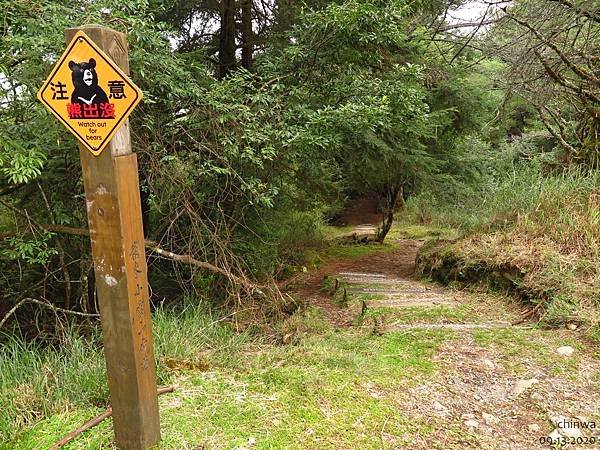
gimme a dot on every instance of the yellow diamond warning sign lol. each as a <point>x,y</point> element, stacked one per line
<point>89,93</point>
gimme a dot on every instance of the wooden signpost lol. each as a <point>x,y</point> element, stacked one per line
<point>90,93</point>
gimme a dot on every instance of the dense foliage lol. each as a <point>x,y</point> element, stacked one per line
<point>261,118</point>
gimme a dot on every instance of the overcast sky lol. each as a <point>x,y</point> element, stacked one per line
<point>469,12</point>
<point>473,11</point>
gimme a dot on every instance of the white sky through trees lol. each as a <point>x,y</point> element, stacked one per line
<point>471,11</point>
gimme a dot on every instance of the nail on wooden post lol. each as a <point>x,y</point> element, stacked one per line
<point>115,220</point>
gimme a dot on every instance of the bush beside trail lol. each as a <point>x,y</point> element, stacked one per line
<point>545,250</point>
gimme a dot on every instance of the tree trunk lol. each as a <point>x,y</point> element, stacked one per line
<point>392,193</point>
<point>227,61</point>
<point>247,35</point>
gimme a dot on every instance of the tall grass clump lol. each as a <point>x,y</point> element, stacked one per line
<point>567,210</point>
<point>193,333</point>
<point>39,380</point>
<point>535,221</point>
<point>564,206</point>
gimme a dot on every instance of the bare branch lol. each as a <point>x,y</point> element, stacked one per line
<point>95,421</point>
<point>473,33</point>
<point>478,25</point>
<point>154,247</point>
<point>45,304</point>
<point>580,11</point>
<point>574,67</point>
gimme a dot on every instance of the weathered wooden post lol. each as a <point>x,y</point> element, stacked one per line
<point>96,112</point>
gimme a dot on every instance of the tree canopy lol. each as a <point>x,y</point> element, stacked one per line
<point>261,117</point>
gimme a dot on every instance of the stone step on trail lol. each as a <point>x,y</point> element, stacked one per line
<point>379,281</point>
<point>397,293</point>
<point>364,228</point>
<point>406,303</point>
<point>450,326</point>
<point>363,233</point>
<point>400,295</point>
<point>362,274</point>
<point>390,292</point>
<point>394,291</point>
<point>358,280</point>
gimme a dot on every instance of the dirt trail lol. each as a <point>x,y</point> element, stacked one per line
<point>363,210</point>
<point>400,263</point>
<point>502,387</point>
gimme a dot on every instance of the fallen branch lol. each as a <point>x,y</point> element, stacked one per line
<point>47,305</point>
<point>154,247</point>
<point>95,421</point>
<point>188,259</point>
<point>477,24</point>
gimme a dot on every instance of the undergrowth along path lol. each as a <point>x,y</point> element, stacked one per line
<point>345,373</point>
<point>503,386</point>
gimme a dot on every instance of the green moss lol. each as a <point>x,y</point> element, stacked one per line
<point>355,251</point>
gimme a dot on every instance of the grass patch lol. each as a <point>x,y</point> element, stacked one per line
<point>386,315</point>
<point>307,321</point>
<point>48,431</point>
<point>356,251</point>
<point>39,382</point>
<point>534,346</point>
<point>404,230</point>
<point>360,297</point>
<point>196,334</point>
<point>331,389</point>
<point>437,314</point>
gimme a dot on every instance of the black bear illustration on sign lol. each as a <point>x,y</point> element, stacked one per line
<point>85,82</point>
